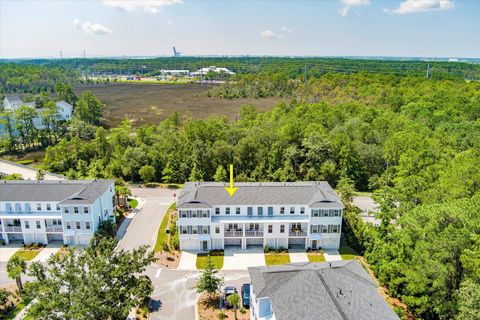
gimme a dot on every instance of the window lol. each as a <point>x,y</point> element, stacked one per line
<point>78,225</point>
<point>336,213</point>
<point>282,228</point>
<point>205,213</point>
<point>27,225</point>
<point>75,209</point>
<point>292,210</point>
<point>227,210</point>
<point>9,207</point>
<point>270,228</point>
<point>65,210</point>
<point>315,213</point>
<point>250,211</point>
<point>335,228</point>
<point>260,211</point>
<point>85,209</point>
<point>58,207</point>
<point>183,230</point>
<point>205,230</point>
<point>183,213</point>
<point>194,230</point>
<point>270,211</point>
<point>282,210</point>
<point>39,206</point>
<point>302,210</point>
<point>87,225</point>
<point>217,210</point>
<point>314,229</point>
<point>38,224</point>
<point>49,207</point>
<point>27,207</point>
<point>18,207</point>
<point>54,222</point>
<point>193,213</point>
<point>237,210</point>
<point>217,229</point>
<point>69,226</point>
<point>325,213</point>
<point>324,228</point>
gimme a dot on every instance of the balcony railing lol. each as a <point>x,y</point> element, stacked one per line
<point>300,233</point>
<point>54,229</point>
<point>13,229</point>
<point>253,233</point>
<point>237,233</point>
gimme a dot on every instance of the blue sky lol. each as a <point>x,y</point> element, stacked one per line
<point>434,28</point>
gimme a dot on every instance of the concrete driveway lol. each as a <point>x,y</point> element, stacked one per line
<point>332,255</point>
<point>7,251</point>
<point>51,249</point>
<point>174,296</point>
<point>143,227</point>
<point>298,255</point>
<point>237,259</point>
<point>188,260</point>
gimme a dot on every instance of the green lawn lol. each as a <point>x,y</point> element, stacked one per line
<point>202,259</point>
<point>315,257</point>
<point>27,255</point>
<point>132,203</point>
<point>276,258</point>
<point>347,253</point>
<point>162,236</point>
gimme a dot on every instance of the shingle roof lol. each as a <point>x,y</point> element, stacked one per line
<point>63,191</point>
<point>14,98</point>
<point>338,290</point>
<point>208,194</point>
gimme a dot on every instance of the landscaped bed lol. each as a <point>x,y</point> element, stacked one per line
<point>316,256</point>
<point>29,252</point>
<point>168,244</point>
<point>215,255</point>
<point>208,309</point>
<point>132,203</point>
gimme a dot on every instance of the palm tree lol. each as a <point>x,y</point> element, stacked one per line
<point>234,301</point>
<point>15,267</point>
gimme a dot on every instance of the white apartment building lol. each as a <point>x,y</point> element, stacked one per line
<point>273,214</point>
<point>65,210</point>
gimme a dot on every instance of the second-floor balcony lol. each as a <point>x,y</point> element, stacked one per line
<point>253,233</point>
<point>54,229</point>
<point>13,229</point>
<point>233,233</point>
<point>298,233</point>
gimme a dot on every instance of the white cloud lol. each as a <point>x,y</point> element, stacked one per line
<point>269,34</point>
<point>288,30</point>
<point>150,6</point>
<point>413,6</point>
<point>347,4</point>
<point>91,28</point>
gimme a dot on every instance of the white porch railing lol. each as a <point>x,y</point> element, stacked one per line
<point>54,229</point>
<point>253,233</point>
<point>298,233</point>
<point>237,233</point>
<point>13,229</point>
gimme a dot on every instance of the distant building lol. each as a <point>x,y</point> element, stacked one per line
<point>13,102</point>
<point>175,72</point>
<point>43,211</point>
<point>204,71</point>
<point>335,290</point>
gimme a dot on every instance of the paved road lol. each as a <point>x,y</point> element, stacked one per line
<point>27,172</point>
<point>174,296</point>
<point>143,228</point>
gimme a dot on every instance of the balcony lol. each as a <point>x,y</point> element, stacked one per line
<point>54,229</point>
<point>253,233</point>
<point>13,229</point>
<point>1,228</point>
<point>233,233</point>
<point>299,233</point>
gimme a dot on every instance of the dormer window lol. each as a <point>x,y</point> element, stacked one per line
<point>39,206</point>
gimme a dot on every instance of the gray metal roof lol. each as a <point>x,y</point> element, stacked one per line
<point>209,194</point>
<point>338,290</point>
<point>14,98</point>
<point>63,191</point>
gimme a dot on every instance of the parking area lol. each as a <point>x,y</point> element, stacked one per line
<point>188,260</point>
<point>237,259</point>
<point>51,249</point>
<point>7,251</point>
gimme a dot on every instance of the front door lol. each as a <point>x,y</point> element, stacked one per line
<point>314,244</point>
<point>204,245</point>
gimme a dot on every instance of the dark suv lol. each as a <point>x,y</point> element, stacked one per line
<point>226,292</point>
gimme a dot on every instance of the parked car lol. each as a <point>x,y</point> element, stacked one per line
<point>246,295</point>
<point>229,290</point>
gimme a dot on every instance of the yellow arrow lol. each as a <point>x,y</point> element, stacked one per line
<point>231,190</point>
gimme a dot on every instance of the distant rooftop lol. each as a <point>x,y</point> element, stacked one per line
<point>63,191</point>
<point>338,290</point>
<point>207,194</point>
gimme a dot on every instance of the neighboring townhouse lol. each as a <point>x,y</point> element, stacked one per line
<point>273,214</point>
<point>335,290</point>
<point>65,210</point>
<point>13,102</point>
<point>204,71</point>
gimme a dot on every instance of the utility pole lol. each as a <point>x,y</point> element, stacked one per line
<point>428,71</point>
<point>61,54</point>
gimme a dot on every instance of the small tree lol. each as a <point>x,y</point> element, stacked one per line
<point>209,281</point>
<point>234,301</point>
<point>15,267</point>
<point>220,174</point>
<point>40,175</point>
<point>147,173</point>
<point>222,315</point>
